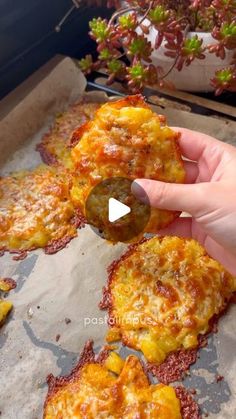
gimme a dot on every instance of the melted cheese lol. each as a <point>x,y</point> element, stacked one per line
<point>163,294</point>
<point>5,306</point>
<point>35,209</point>
<point>126,139</point>
<point>98,394</point>
<point>54,144</point>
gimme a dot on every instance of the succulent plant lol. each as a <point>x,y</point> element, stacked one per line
<point>118,39</point>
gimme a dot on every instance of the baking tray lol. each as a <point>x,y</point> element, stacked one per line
<point>37,339</point>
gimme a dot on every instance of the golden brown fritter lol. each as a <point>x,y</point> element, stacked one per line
<point>36,210</point>
<point>54,147</point>
<point>111,389</point>
<point>162,293</point>
<point>126,139</point>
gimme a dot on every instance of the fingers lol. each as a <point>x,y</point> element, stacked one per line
<point>181,227</point>
<point>193,143</point>
<point>219,253</point>
<point>172,196</point>
<point>192,171</point>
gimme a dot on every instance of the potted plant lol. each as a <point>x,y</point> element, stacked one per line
<point>186,43</point>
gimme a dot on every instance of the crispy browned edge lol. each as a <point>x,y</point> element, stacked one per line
<point>87,356</point>
<point>78,220</point>
<point>10,282</point>
<point>178,362</point>
<point>189,407</point>
<point>55,384</point>
<point>46,156</point>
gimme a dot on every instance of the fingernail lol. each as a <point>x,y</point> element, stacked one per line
<point>139,192</point>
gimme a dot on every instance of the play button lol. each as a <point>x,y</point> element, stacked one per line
<point>114,213</point>
<point>117,210</point>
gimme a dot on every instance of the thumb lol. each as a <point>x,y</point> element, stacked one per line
<point>172,196</point>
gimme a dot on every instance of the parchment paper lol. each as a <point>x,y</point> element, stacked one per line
<point>37,338</point>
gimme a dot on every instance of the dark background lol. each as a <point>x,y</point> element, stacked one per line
<point>28,38</point>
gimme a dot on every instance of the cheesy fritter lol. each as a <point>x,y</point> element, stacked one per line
<point>162,294</point>
<point>126,139</point>
<point>36,210</point>
<point>54,147</point>
<point>115,389</point>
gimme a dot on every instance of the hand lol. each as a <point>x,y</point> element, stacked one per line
<point>209,196</point>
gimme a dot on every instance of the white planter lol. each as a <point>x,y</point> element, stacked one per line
<point>197,76</point>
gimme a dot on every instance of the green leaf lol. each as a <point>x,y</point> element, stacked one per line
<point>115,66</point>
<point>127,21</point>
<point>192,46</point>
<point>105,54</point>
<point>137,71</point>
<point>224,76</point>
<point>158,14</point>
<point>228,29</point>
<point>99,29</point>
<point>86,63</point>
<point>140,47</point>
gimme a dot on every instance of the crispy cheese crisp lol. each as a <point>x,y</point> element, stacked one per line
<point>36,210</point>
<point>54,147</point>
<point>162,294</point>
<point>126,139</point>
<point>111,389</point>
